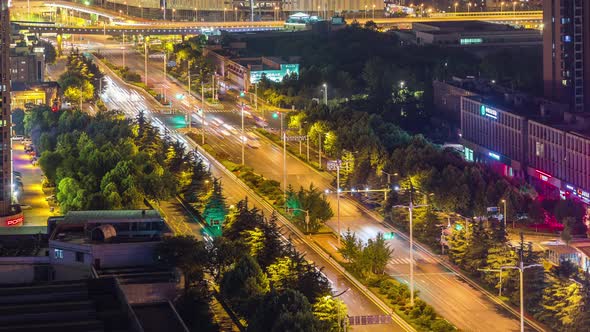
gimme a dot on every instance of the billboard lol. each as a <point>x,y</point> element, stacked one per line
<point>273,74</point>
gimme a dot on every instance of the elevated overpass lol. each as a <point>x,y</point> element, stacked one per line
<point>189,28</point>
<point>148,29</point>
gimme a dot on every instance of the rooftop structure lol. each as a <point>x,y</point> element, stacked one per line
<point>474,34</point>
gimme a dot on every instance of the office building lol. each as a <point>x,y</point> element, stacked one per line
<point>526,137</point>
<point>566,52</point>
<point>5,120</point>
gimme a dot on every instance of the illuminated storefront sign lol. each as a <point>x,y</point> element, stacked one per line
<point>494,155</point>
<point>274,75</point>
<point>488,112</point>
<point>15,221</point>
<point>544,176</point>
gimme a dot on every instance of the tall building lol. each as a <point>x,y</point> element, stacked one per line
<point>5,120</point>
<point>566,52</point>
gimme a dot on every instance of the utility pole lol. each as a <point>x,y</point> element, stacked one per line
<point>145,51</point>
<point>284,134</point>
<point>307,140</point>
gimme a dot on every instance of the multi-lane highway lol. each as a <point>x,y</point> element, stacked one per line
<point>117,95</point>
<point>455,299</point>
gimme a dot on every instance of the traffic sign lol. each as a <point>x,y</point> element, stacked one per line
<point>334,164</point>
<point>296,138</point>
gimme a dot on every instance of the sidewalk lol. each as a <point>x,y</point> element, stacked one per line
<point>32,193</point>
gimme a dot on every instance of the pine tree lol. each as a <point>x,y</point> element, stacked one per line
<point>215,208</point>
<point>458,246</point>
<point>196,187</point>
<point>351,246</point>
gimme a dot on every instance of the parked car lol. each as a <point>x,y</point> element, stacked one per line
<point>18,138</point>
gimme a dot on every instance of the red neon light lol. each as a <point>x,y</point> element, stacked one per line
<point>15,221</point>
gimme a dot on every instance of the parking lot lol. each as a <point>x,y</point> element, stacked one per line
<point>30,195</point>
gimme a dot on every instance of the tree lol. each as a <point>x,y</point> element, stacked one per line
<point>282,274</point>
<point>244,285</point>
<point>351,246</point>
<point>332,314</point>
<point>215,207</point>
<point>70,195</point>
<point>193,307</point>
<point>371,25</point>
<point>186,253</point>
<point>286,310</point>
<point>317,204</point>
<point>376,254</point>
<point>196,187</point>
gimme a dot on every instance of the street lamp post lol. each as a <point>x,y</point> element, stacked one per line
<point>505,215</point>
<point>235,13</point>
<point>456,4</point>
<point>145,56</point>
<point>502,6</point>
<point>123,47</point>
<point>325,88</point>
<point>243,138</point>
<point>127,4</point>
<point>173,12</point>
<point>514,7</point>
<point>410,208</point>
<point>373,11</point>
<point>469,7</point>
<point>224,11</point>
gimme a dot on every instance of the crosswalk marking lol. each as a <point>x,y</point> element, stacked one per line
<point>404,260</point>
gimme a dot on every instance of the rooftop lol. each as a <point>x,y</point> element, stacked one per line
<point>467,26</point>
<point>110,215</point>
<point>159,316</point>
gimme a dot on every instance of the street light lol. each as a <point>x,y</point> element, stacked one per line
<point>365,11</point>
<point>173,12</point>
<point>235,13</point>
<point>520,269</point>
<point>456,4</point>
<point>325,88</point>
<point>469,7</point>
<point>505,215</point>
<point>514,7</point>
<point>410,208</point>
<point>224,10</point>
<point>502,6</point>
<point>126,4</point>
<point>373,11</point>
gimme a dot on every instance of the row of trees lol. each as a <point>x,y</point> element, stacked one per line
<point>107,161</point>
<point>263,278</point>
<point>557,296</point>
<point>79,80</point>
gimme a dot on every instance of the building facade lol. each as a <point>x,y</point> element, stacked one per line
<point>5,120</point>
<point>493,135</point>
<point>566,52</point>
<point>28,67</point>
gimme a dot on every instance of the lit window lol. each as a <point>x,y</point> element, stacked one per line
<point>58,253</point>
<point>469,41</point>
<point>539,149</point>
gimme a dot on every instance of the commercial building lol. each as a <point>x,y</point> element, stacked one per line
<point>474,34</point>
<point>243,72</point>
<point>27,64</point>
<point>26,95</point>
<point>7,210</point>
<point>523,136</point>
<point>566,52</point>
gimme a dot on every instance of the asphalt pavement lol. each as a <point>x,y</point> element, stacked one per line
<point>117,95</point>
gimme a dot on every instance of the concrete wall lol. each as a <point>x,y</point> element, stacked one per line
<point>144,293</point>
